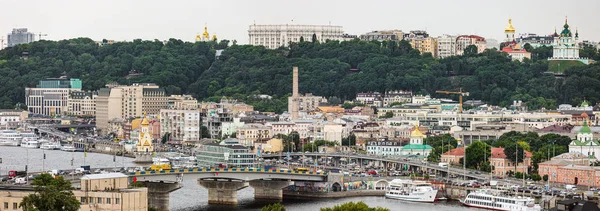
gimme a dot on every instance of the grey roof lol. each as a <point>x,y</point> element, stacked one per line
<point>104,176</point>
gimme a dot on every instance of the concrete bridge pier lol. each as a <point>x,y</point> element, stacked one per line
<point>158,193</point>
<point>269,189</point>
<point>222,192</point>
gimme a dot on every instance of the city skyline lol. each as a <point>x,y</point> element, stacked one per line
<point>116,20</point>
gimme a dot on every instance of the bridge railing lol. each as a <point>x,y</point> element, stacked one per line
<point>221,170</point>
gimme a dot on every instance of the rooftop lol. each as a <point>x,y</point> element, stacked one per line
<point>104,176</point>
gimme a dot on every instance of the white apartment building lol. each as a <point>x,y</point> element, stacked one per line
<point>399,96</point>
<point>469,120</point>
<point>50,96</point>
<point>183,102</point>
<point>333,132</point>
<point>275,36</point>
<point>122,102</point>
<point>81,103</point>
<point>446,46</point>
<point>182,125</point>
<point>369,98</point>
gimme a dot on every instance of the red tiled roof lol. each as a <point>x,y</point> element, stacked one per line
<point>499,153</point>
<point>456,152</point>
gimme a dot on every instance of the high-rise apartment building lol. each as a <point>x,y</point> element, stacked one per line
<point>118,101</point>
<point>446,46</point>
<point>50,96</point>
<point>19,36</point>
<point>182,102</point>
<point>81,103</point>
<point>181,125</point>
<point>275,36</point>
<point>385,35</point>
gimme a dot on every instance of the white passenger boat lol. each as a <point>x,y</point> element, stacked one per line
<point>408,190</point>
<point>10,138</point>
<point>30,144</point>
<point>68,148</point>
<point>50,145</point>
<point>499,200</point>
<point>29,136</point>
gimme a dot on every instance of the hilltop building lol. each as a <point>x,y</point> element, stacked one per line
<point>205,36</point>
<point>275,36</point>
<point>385,35</point>
<point>19,36</point>
<point>565,45</point>
<point>463,41</point>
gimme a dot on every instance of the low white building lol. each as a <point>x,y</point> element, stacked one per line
<point>585,143</point>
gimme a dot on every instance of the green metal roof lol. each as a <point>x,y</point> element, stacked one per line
<point>416,147</point>
<point>585,143</point>
<point>585,128</point>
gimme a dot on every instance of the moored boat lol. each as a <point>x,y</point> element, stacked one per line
<point>409,190</point>
<point>499,200</point>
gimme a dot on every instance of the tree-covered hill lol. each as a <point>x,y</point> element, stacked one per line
<point>339,69</point>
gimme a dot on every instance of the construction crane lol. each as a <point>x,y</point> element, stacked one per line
<point>460,94</point>
<point>40,36</point>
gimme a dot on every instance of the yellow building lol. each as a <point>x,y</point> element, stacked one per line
<point>106,192</point>
<point>426,45</point>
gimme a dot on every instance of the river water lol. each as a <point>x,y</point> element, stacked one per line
<point>191,197</point>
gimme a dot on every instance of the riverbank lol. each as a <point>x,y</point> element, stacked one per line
<point>341,194</point>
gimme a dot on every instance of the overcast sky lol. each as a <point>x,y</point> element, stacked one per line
<point>230,19</point>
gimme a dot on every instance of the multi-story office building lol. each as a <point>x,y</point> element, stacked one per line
<point>464,41</point>
<point>275,36</point>
<point>50,96</point>
<point>425,45</point>
<point>19,36</point>
<point>385,35</point>
<point>446,46</point>
<point>122,102</point>
<point>228,153</point>
<point>181,125</point>
<point>81,103</point>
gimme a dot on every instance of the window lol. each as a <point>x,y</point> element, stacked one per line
<point>15,206</point>
<point>117,201</point>
<point>91,200</point>
<point>108,201</point>
<point>5,205</point>
<point>82,200</point>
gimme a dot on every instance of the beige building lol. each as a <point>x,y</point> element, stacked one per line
<point>273,145</point>
<point>182,125</point>
<point>106,192</point>
<point>384,35</point>
<point>11,116</point>
<point>81,103</point>
<point>116,101</point>
<point>426,45</point>
<point>464,41</point>
<point>333,132</point>
<point>182,102</point>
<point>250,133</point>
<point>306,103</point>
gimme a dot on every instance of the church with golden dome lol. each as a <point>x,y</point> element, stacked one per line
<point>145,149</point>
<point>511,47</point>
<point>205,36</point>
<point>416,146</point>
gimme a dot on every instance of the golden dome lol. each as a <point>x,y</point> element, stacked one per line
<point>510,27</point>
<point>214,37</point>
<point>145,120</point>
<point>198,37</point>
<point>205,35</point>
<point>416,132</point>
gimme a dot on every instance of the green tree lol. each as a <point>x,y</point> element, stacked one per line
<point>274,207</point>
<point>51,194</point>
<point>545,177</point>
<point>388,114</point>
<point>352,206</point>
<point>165,138</point>
<point>470,50</point>
<point>204,132</point>
<point>477,152</point>
<point>301,39</point>
<point>349,141</point>
<point>514,152</point>
<point>314,38</point>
